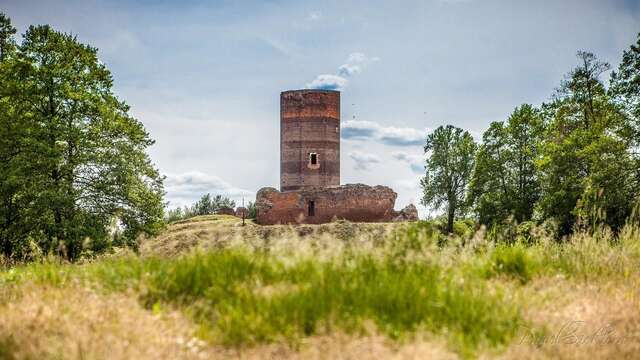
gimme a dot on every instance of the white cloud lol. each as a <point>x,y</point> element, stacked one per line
<point>349,69</point>
<point>328,82</point>
<point>354,64</point>
<point>359,129</point>
<point>402,136</point>
<point>314,16</point>
<point>416,162</point>
<point>363,160</point>
<point>186,188</point>
<point>390,135</point>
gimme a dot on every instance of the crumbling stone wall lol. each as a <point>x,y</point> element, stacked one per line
<point>354,202</point>
<point>310,170</point>
<point>225,211</point>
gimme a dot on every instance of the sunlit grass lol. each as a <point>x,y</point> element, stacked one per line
<point>412,280</point>
<point>247,298</point>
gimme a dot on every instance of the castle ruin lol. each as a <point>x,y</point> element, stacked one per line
<point>310,190</point>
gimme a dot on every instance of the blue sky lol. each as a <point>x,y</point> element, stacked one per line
<point>205,76</point>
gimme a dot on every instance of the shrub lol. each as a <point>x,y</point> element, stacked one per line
<point>513,260</point>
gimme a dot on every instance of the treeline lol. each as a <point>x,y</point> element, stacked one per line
<point>74,175</point>
<point>207,205</point>
<point>573,162</point>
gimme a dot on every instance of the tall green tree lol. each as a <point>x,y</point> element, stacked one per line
<point>451,154</point>
<point>625,90</point>
<point>15,122</point>
<point>7,43</point>
<point>585,165</point>
<point>625,87</point>
<point>210,205</point>
<point>83,156</point>
<point>206,205</point>
<point>505,180</point>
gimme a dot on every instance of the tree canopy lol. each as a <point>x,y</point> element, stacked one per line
<point>505,181</point>
<point>206,205</point>
<point>586,163</point>
<point>448,170</point>
<point>574,161</point>
<point>74,164</point>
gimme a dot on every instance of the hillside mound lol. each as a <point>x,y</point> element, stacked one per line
<point>219,231</point>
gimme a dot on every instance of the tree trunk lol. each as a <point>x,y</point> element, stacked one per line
<point>450,218</point>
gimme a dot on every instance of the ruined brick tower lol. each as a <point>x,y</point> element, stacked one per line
<point>310,190</point>
<point>309,139</point>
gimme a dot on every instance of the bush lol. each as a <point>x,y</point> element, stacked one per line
<point>513,260</point>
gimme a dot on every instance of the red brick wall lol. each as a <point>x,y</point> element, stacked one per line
<point>309,123</point>
<point>354,202</point>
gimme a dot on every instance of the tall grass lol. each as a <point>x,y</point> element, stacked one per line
<point>413,280</point>
<point>245,298</point>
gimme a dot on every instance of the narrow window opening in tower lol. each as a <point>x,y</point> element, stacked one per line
<point>314,158</point>
<point>312,208</point>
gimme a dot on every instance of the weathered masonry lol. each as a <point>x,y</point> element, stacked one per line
<point>309,139</point>
<point>310,190</point>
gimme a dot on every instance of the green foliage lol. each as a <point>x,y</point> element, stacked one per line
<point>514,260</point>
<point>464,228</point>
<point>505,181</point>
<point>73,160</point>
<point>573,163</point>
<point>416,236</point>
<point>401,283</point>
<point>7,44</point>
<point>174,215</point>
<point>205,206</point>
<point>586,165</point>
<point>625,92</point>
<point>242,298</point>
<point>511,232</point>
<point>625,86</point>
<point>252,211</point>
<point>448,170</point>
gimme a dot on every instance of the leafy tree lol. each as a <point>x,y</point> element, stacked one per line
<point>174,215</point>
<point>625,90</point>
<point>14,154</point>
<point>625,87</point>
<point>585,165</point>
<point>206,205</point>
<point>252,211</point>
<point>505,180</point>
<point>79,158</point>
<point>223,202</point>
<point>448,170</point>
<point>7,43</point>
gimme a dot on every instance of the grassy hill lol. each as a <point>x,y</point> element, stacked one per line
<point>218,231</point>
<point>208,287</point>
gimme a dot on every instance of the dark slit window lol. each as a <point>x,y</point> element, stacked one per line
<point>314,158</point>
<point>312,208</point>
